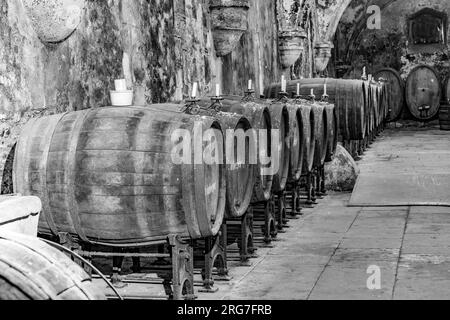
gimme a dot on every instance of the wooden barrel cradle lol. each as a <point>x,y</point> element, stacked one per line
<point>423,92</point>
<point>259,117</point>
<point>107,176</point>
<point>395,94</point>
<point>32,270</point>
<point>347,95</point>
<point>239,177</point>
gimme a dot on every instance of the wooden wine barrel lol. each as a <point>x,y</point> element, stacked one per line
<point>297,149</point>
<point>332,127</point>
<point>321,127</point>
<point>446,91</point>
<point>279,116</point>
<point>444,117</point>
<point>239,177</point>
<point>385,93</point>
<point>32,270</point>
<point>347,95</point>
<point>423,92</point>
<point>395,94</point>
<point>260,119</point>
<point>280,121</point>
<point>308,133</point>
<point>108,176</point>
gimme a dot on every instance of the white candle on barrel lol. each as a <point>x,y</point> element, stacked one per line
<point>250,85</point>
<point>120,84</point>
<point>312,92</point>
<point>194,90</point>
<point>325,89</point>
<point>217,90</point>
<point>298,89</point>
<point>283,84</point>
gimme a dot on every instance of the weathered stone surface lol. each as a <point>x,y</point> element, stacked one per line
<point>358,46</point>
<point>342,173</point>
<point>54,20</point>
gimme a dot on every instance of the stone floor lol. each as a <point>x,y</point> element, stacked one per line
<point>334,251</point>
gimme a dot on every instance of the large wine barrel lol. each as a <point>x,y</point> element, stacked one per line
<point>395,93</point>
<point>260,119</point>
<point>332,127</point>
<point>280,121</point>
<point>349,97</point>
<point>239,177</point>
<point>446,91</point>
<point>108,175</point>
<point>321,127</point>
<point>444,117</point>
<point>32,270</point>
<point>297,140</point>
<point>279,117</point>
<point>309,132</point>
<point>423,92</point>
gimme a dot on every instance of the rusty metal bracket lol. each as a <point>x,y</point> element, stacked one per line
<point>216,104</point>
<point>249,96</point>
<point>191,107</point>
<point>283,96</point>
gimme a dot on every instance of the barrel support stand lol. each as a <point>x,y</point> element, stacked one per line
<point>321,185</point>
<point>282,221</point>
<point>311,199</point>
<point>245,237</point>
<point>214,255</point>
<point>247,249</point>
<point>295,200</point>
<point>264,215</point>
<point>182,275</point>
<point>177,274</point>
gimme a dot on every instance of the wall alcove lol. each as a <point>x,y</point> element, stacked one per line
<point>427,30</point>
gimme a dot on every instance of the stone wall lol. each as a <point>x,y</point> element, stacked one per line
<point>160,47</point>
<point>357,46</point>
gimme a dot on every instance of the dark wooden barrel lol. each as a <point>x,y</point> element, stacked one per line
<point>423,92</point>
<point>349,97</point>
<point>239,175</point>
<point>259,117</point>
<point>280,121</point>
<point>446,91</point>
<point>332,127</point>
<point>395,93</point>
<point>321,135</point>
<point>32,270</point>
<point>373,109</point>
<point>279,117</point>
<point>444,117</point>
<point>108,176</point>
<point>297,140</point>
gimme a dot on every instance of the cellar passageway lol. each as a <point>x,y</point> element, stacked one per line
<point>333,250</point>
